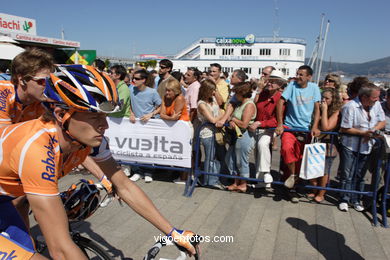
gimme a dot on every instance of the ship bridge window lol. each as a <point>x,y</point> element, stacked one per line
<point>246,51</point>
<point>300,53</point>
<point>265,52</point>
<point>227,69</point>
<point>227,51</point>
<point>285,71</point>
<point>209,51</point>
<point>247,70</point>
<point>284,52</point>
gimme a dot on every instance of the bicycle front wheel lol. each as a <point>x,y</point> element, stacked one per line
<point>91,249</point>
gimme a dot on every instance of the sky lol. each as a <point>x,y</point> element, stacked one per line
<point>359,30</point>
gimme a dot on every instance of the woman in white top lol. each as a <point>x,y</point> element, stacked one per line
<point>209,112</point>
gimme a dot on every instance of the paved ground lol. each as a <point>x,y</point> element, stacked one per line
<point>260,224</point>
<point>263,225</point>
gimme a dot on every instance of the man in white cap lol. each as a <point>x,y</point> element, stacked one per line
<point>266,100</point>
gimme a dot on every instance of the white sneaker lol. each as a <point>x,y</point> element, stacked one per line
<point>107,201</point>
<point>135,177</point>
<point>148,179</point>
<point>268,178</point>
<point>218,186</point>
<point>126,170</point>
<point>358,207</point>
<point>177,181</point>
<point>343,206</point>
<point>289,183</point>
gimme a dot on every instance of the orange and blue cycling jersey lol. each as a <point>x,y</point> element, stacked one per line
<point>31,162</point>
<point>12,110</point>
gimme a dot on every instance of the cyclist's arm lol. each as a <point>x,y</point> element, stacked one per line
<point>53,222</point>
<point>93,168</point>
<point>129,192</point>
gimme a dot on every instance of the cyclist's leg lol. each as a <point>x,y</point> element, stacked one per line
<point>22,206</point>
<point>14,237</point>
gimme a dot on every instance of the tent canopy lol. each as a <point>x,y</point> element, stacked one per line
<point>8,50</point>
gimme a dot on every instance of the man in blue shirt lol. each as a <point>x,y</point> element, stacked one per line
<point>302,99</point>
<point>145,104</point>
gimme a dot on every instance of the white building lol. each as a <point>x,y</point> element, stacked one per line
<point>249,53</point>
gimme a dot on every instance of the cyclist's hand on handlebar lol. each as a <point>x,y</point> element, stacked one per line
<point>186,239</point>
<point>106,184</point>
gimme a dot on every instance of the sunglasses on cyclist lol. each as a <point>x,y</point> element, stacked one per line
<point>39,80</point>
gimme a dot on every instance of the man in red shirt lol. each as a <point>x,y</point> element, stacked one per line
<point>266,100</point>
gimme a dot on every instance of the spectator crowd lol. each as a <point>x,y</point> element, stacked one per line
<point>237,116</point>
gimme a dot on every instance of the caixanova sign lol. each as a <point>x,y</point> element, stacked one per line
<point>17,24</point>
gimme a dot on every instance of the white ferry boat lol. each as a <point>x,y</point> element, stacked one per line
<point>249,53</point>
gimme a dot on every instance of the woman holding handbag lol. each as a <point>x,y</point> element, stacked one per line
<point>208,112</point>
<point>330,121</point>
<point>237,156</point>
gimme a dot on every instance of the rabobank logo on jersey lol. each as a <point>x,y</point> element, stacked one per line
<point>8,256</point>
<point>3,99</point>
<point>49,162</point>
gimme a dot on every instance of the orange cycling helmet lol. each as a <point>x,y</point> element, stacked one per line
<point>82,88</point>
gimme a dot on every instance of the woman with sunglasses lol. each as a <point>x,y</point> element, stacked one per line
<point>332,80</point>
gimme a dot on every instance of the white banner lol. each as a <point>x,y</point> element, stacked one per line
<point>155,142</point>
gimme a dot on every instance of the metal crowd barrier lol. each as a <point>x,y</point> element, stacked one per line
<point>385,196</point>
<point>197,172</point>
<point>156,166</point>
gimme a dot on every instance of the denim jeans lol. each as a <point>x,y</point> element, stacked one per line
<point>237,156</point>
<point>210,163</point>
<point>353,167</point>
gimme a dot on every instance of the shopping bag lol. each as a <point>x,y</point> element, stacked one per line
<point>313,161</point>
<point>387,141</point>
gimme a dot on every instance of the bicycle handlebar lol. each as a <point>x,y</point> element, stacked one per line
<point>165,241</point>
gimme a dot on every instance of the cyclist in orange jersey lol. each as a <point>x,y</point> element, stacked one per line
<point>36,153</point>
<point>21,100</point>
